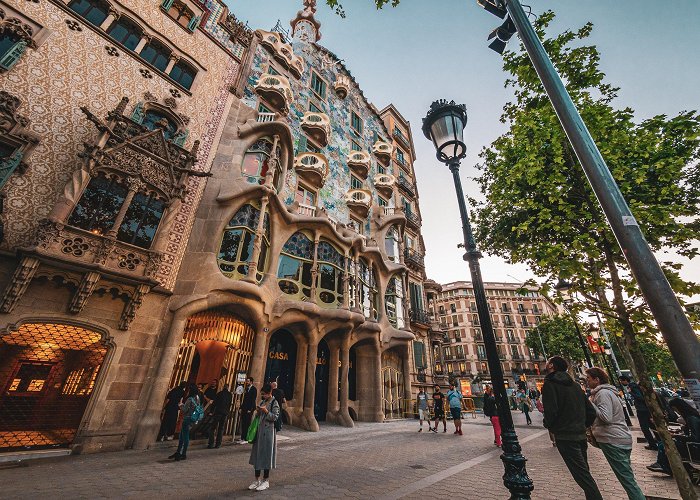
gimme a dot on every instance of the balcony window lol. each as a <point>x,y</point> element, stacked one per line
<point>93,11</point>
<point>331,267</point>
<point>313,108</point>
<point>294,275</point>
<point>183,74</point>
<point>355,183</point>
<point>521,308</point>
<point>236,248</point>
<point>356,122</point>
<point>256,161</point>
<point>126,33</point>
<point>355,146</point>
<point>99,205</point>
<point>141,220</point>
<point>305,196</point>
<point>369,294</point>
<point>394,302</point>
<point>318,85</point>
<point>382,202</point>
<point>400,156</point>
<point>391,244</point>
<point>156,54</point>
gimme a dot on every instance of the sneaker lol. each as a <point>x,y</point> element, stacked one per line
<point>174,456</point>
<point>243,441</point>
<point>420,430</point>
<point>169,438</point>
<point>656,467</point>
<point>651,447</point>
<point>431,429</point>
<point>254,485</point>
<point>444,430</point>
<point>180,457</point>
<point>264,484</point>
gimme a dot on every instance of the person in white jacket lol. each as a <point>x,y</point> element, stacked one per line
<point>610,430</point>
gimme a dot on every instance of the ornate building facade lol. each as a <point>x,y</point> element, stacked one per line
<point>184,200</point>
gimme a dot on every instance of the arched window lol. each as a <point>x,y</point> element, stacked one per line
<point>331,269</point>
<point>156,54</point>
<point>153,119</point>
<point>369,294</point>
<point>256,161</point>
<point>294,271</point>
<point>93,11</point>
<point>126,33</point>
<point>394,301</point>
<point>391,244</point>
<point>141,220</point>
<point>183,74</point>
<point>237,243</point>
<point>99,205</point>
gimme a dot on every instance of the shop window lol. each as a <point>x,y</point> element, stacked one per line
<point>294,271</point>
<point>318,85</point>
<point>394,302</point>
<point>237,244</point>
<point>331,269</point>
<point>141,220</point>
<point>126,33</point>
<point>183,74</point>
<point>93,11</point>
<point>256,161</point>
<point>156,54</point>
<point>99,205</point>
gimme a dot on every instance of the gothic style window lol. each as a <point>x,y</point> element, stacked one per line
<point>126,33</point>
<point>99,205</point>
<point>369,294</point>
<point>394,302</point>
<point>156,54</point>
<point>256,161</point>
<point>294,271</point>
<point>93,11</point>
<point>391,244</point>
<point>183,74</point>
<point>238,241</point>
<point>331,268</point>
<point>152,120</point>
<point>141,220</point>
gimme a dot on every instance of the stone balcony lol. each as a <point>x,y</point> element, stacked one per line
<point>384,183</point>
<point>275,89</point>
<point>382,150</point>
<point>406,185</point>
<point>359,162</point>
<point>412,220</point>
<point>281,51</point>
<point>312,168</point>
<point>359,201</point>
<point>342,86</point>
<point>317,126</point>
<point>414,259</point>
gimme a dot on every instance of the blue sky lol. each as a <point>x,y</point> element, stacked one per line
<point>429,49</point>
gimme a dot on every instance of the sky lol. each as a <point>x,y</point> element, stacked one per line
<point>425,50</point>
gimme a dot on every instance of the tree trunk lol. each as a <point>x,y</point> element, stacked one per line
<point>639,365</point>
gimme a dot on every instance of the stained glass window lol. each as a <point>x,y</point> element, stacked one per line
<point>294,271</point>
<point>394,302</point>
<point>153,120</point>
<point>369,294</point>
<point>331,266</point>
<point>256,161</point>
<point>238,241</point>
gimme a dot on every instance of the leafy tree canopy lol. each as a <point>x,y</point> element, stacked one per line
<point>557,334</point>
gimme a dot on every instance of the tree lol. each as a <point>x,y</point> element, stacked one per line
<point>539,209</point>
<point>557,335</point>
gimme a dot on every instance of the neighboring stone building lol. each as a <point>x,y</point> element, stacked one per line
<point>187,200</point>
<point>461,354</point>
<point>109,111</point>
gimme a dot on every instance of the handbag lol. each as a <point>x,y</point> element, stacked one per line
<point>253,430</point>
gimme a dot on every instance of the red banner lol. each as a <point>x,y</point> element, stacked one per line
<point>594,345</point>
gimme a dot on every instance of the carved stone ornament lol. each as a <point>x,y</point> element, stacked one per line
<point>239,31</point>
<point>14,26</point>
<point>147,96</point>
<point>9,117</point>
<point>132,307</point>
<point>19,283</point>
<point>170,102</point>
<point>84,291</point>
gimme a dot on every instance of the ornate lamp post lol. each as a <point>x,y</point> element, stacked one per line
<point>562,288</point>
<point>444,125</point>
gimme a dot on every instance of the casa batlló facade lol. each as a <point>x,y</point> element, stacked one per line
<point>187,200</point>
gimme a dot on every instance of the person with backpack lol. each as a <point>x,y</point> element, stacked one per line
<point>454,398</point>
<point>192,413</point>
<point>263,456</point>
<point>491,411</point>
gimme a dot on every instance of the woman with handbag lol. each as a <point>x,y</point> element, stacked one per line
<point>263,456</point>
<point>609,431</point>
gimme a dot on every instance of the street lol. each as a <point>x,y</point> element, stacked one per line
<point>388,460</point>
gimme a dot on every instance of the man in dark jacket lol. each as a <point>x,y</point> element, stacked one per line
<point>643,415</point>
<point>565,416</point>
<point>219,410</point>
<point>250,396</point>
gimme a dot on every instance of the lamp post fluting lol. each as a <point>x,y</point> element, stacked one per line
<point>444,125</point>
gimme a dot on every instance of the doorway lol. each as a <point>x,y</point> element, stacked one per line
<point>323,355</point>
<point>392,385</point>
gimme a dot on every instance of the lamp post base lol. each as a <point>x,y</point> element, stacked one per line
<point>515,477</point>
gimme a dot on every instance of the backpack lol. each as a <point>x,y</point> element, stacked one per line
<point>197,412</point>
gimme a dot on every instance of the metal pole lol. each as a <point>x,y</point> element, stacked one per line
<point>667,311</point>
<point>515,477</point>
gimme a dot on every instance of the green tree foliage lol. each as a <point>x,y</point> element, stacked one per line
<point>338,7</point>
<point>557,334</point>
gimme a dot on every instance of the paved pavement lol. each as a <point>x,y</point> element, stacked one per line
<point>389,460</point>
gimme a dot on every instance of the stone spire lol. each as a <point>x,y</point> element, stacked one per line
<point>305,25</point>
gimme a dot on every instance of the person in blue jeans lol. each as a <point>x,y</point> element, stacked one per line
<point>454,397</point>
<point>192,400</point>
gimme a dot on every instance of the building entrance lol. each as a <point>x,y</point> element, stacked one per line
<point>392,385</point>
<point>282,362</point>
<point>47,375</point>
<point>215,345</point>
<point>323,355</point>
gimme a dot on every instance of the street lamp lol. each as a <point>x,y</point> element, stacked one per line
<point>563,287</point>
<point>444,125</point>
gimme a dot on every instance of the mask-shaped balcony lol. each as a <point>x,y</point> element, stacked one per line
<point>359,163</point>
<point>359,201</point>
<point>312,168</point>
<point>281,51</point>
<point>382,150</point>
<point>384,183</point>
<point>342,86</point>
<point>276,91</point>
<point>317,126</point>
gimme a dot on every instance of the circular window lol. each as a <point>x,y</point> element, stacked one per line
<point>288,287</point>
<point>327,297</point>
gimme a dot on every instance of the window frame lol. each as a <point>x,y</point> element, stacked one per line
<point>315,77</point>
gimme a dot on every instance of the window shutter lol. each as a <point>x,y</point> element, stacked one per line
<point>194,23</point>
<point>12,56</point>
<point>419,354</point>
<point>166,4</point>
<point>8,166</point>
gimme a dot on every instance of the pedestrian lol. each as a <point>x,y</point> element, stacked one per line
<point>422,405</point>
<point>171,409</point>
<point>454,398</point>
<point>263,456</point>
<point>491,411</point>
<point>643,415</point>
<point>439,409</point>
<point>566,411</point>
<point>525,405</point>
<point>219,410</point>
<point>278,394</point>
<point>250,395</point>
<point>191,405</point>
<point>610,430</point>
<point>690,432</point>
